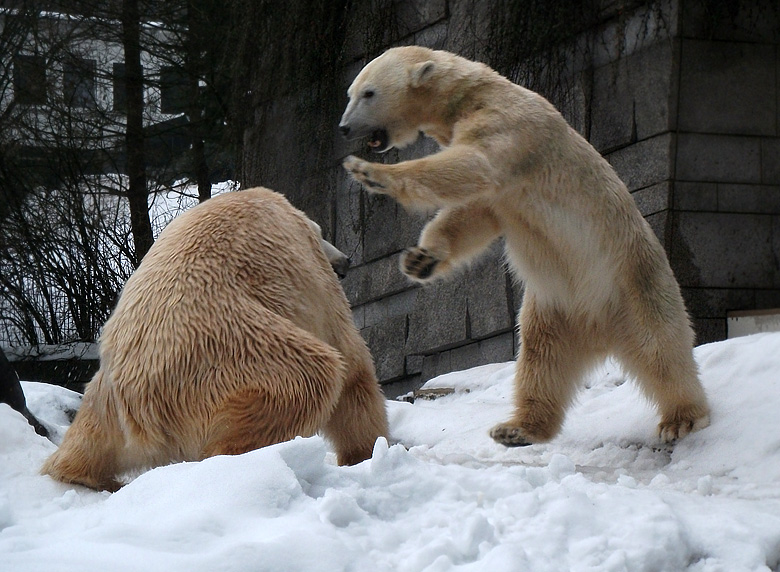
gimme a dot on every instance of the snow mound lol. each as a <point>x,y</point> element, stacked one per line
<point>604,495</point>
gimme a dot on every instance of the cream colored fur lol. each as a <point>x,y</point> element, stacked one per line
<point>597,280</point>
<point>234,333</point>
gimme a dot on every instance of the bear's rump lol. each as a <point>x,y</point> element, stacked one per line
<point>167,409</point>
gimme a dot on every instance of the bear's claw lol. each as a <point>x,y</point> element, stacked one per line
<point>418,263</point>
<point>361,171</point>
<point>509,435</point>
<point>373,184</point>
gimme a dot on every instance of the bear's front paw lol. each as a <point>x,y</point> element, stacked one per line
<point>363,172</point>
<point>418,263</point>
<point>509,435</point>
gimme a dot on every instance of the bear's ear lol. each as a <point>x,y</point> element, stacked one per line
<point>421,73</point>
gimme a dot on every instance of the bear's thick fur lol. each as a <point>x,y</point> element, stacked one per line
<point>232,334</point>
<point>597,280</point>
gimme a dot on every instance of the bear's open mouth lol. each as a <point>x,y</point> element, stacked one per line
<point>379,140</point>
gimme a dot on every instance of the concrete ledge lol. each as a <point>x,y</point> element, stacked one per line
<point>68,365</point>
<point>746,322</point>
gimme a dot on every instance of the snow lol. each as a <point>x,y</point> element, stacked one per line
<point>604,495</point>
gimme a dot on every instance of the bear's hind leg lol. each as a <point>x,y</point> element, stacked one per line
<point>88,454</point>
<point>252,418</point>
<point>552,360</point>
<point>289,390</point>
<point>668,376</point>
<point>360,416</point>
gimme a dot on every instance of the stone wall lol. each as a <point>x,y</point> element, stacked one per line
<point>684,106</point>
<point>725,242</point>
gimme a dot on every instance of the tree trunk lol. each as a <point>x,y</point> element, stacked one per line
<point>199,162</point>
<point>193,63</point>
<point>138,194</point>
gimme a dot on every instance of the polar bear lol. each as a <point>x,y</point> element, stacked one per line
<point>233,333</point>
<point>597,280</point>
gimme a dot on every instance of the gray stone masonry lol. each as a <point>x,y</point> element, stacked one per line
<point>726,195</point>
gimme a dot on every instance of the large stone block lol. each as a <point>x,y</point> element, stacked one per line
<point>417,15</point>
<point>375,25</point>
<point>695,196</point>
<point>709,330</point>
<point>341,146</point>
<point>398,387</point>
<point>389,307</point>
<point>439,319</point>
<point>718,158</point>
<point>768,298</point>
<point>436,364</point>
<point>644,163</point>
<point>632,98</point>
<point>465,17</point>
<point>318,197</point>
<point>748,198</point>
<point>475,303</point>
<point>776,249</point>
<point>660,223</point>
<point>728,88</point>
<point>770,155</point>
<point>577,105</point>
<point>715,302</point>
<point>388,227</point>
<point>497,349</point>
<point>348,227</point>
<point>754,21</point>
<point>652,199</point>
<point>632,31</point>
<point>612,108</point>
<point>652,75</point>
<point>387,342</point>
<point>723,250</point>
<point>434,37</point>
<point>488,298</point>
<point>375,280</point>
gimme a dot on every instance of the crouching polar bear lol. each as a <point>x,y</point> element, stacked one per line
<point>597,280</point>
<point>232,334</point>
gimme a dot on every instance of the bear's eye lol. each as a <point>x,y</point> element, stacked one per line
<point>368,94</point>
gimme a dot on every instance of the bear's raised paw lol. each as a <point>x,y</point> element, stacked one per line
<point>363,172</point>
<point>418,263</point>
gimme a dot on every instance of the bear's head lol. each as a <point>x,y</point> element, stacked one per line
<point>388,99</point>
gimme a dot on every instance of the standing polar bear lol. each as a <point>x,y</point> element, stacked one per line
<point>234,333</point>
<point>597,281</point>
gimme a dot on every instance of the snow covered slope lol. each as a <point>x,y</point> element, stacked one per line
<point>604,495</point>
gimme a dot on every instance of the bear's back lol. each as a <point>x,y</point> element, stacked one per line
<point>210,270</point>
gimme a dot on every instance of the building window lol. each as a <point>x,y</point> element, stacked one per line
<point>173,90</point>
<point>30,80</point>
<point>79,83</point>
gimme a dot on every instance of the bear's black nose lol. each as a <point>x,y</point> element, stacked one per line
<point>344,130</point>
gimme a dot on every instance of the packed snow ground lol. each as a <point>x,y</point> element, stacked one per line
<point>604,495</point>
